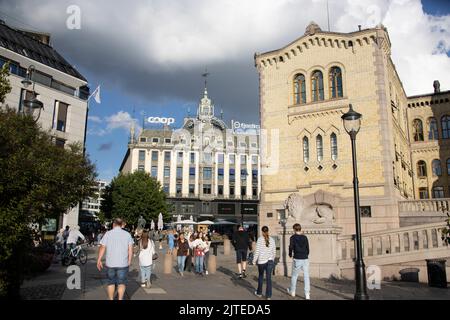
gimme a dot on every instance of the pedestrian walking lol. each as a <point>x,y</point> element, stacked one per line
<point>65,236</point>
<point>264,257</point>
<point>206,257</point>
<point>299,249</point>
<point>182,253</point>
<point>118,245</point>
<point>146,252</point>
<point>242,243</point>
<point>199,254</point>
<point>171,241</point>
<point>190,256</point>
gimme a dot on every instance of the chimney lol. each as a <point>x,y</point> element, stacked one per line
<point>437,86</point>
<point>359,27</point>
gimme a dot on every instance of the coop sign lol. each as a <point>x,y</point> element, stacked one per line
<point>162,120</point>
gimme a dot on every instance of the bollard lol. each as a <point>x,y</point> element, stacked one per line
<point>167,263</point>
<point>226,247</point>
<point>212,264</point>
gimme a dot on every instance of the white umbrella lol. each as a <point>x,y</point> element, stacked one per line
<point>225,222</point>
<point>152,225</point>
<point>190,218</point>
<point>207,222</point>
<point>160,221</point>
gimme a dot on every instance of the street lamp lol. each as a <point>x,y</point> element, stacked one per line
<point>283,221</point>
<point>33,106</point>
<point>242,210</point>
<point>352,124</point>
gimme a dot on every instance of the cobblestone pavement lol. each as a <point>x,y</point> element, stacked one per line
<point>223,285</point>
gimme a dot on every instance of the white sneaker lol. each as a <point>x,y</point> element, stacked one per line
<point>258,295</point>
<point>307,296</point>
<point>206,272</point>
<point>292,294</point>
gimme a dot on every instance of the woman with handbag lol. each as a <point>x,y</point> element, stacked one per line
<point>182,253</point>
<point>146,256</point>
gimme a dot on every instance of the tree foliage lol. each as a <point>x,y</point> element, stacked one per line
<point>38,180</point>
<point>131,195</point>
<point>5,86</point>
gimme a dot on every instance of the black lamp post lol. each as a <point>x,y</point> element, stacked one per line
<point>33,106</point>
<point>352,124</point>
<point>283,221</point>
<point>242,210</point>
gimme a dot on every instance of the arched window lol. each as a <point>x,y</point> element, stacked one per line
<point>432,129</point>
<point>421,169</point>
<point>317,86</point>
<point>334,148</point>
<point>299,89</point>
<point>319,147</point>
<point>305,149</point>
<point>445,124</point>
<point>417,130</point>
<point>436,167</point>
<point>336,83</point>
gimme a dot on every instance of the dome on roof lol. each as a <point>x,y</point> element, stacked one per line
<point>312,28</point>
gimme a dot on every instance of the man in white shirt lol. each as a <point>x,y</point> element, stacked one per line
<point>118,245</point>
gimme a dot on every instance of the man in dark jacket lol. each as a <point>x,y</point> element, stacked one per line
<point>299,251</point>
<point>242,243</point>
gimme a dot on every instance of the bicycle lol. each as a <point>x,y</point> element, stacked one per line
<point>70,255</point>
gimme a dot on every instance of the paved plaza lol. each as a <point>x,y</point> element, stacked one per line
<point>223,285</point>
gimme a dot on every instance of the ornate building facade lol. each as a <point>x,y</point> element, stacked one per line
<point>402,147</point>
<point>206,169</point>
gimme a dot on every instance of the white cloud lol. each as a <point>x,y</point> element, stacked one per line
<point>120,120</point>
<point>95,119</point>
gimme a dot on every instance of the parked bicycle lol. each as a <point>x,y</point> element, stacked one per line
<point>70,255</point>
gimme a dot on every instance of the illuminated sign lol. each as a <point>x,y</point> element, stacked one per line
<point>239,127</point>
<point>162,120</point>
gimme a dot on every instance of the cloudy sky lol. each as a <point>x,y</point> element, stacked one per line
<point>148,55</point>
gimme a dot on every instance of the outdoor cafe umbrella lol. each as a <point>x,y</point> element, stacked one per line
<point>160,221</point>
<point>152,225</point>
<point>207,222</point>
<point>225,222</point>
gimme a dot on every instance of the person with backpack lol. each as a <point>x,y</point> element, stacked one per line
<point>299,248</point>
<point>146,253</point>
<point>242,244</point>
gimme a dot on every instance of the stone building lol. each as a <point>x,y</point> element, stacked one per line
<point>63,91</point>
<point>305,87</point>
<point>206,169</point>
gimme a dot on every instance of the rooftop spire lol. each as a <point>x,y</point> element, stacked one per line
<point>205,75</point>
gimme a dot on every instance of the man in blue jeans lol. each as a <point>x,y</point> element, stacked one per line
<point>118,245</point>
<point>299,247</point>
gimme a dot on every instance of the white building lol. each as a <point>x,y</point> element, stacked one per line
<point>90,207</point>
<point>60,87</point>
<point>205,168</point>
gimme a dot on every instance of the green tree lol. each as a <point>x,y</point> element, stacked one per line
<point>5,86</point>
<point>131,195</point>
<point>38,180</point>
